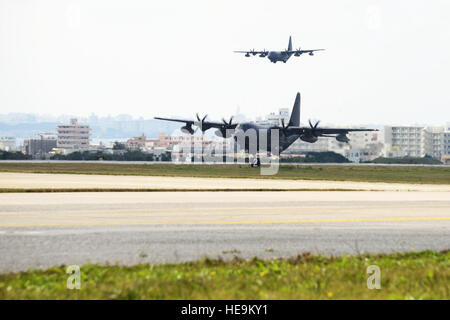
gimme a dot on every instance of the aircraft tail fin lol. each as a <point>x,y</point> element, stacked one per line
<point>295,115</point>
<point>290,44</point>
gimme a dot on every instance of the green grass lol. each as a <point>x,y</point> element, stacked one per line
<point>400,174</point>
<point>421,275</point>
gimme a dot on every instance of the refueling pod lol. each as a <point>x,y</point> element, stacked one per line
<point>342,137</point>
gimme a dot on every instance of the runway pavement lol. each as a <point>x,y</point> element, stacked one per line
<point>35,181</point>
<point>40,230</point>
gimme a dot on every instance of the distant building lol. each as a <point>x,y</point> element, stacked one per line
<point>362,154</point>
<point>168,141</point>
<point>136,143</point>
<point>8,143</point>
<point>74,136</point>
<point>409,139</point>
<point>284,113</point>
<point>274,119</point>
<point>39,146</point>
<point>300,146</point>
<point>417,141</point>
<point>446,145</point>
<point>363,146</point>
<point>436,142</point>
<point>446,159</point>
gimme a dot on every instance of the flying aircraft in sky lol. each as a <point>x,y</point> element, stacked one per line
<point>287,134</point>
<point>275,56</point>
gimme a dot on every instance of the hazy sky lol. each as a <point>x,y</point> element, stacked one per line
<point>385,61</point>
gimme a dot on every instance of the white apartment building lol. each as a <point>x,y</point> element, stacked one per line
<point>417,141</point>
<point>8,143</point>
<point>40,145</point>
<point>284,113</point>
<point>74,136</point>
<point>446,145</point>
<point>436,141</point>
<point>408,139</point>
<point>274,119</point>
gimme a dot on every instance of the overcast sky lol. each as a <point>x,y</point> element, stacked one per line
<point>386,62</point>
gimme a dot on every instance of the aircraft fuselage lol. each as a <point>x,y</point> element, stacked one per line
<point>248,136</point>
<point>275,56</point>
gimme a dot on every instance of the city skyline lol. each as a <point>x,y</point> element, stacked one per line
<point>24,117</point>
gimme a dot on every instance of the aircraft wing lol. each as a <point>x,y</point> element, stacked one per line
<point>326,131</point>
<point>339,130</point>
<point>202,124</point>
<point>176,120</point>
<point>253,52</point>
<point>300,52</point>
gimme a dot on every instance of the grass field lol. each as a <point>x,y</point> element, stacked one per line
<point>421,275</point>
<point>400,174</point>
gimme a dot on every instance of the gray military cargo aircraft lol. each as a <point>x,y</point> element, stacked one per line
<point>275,56</point>
<point>287,134</point>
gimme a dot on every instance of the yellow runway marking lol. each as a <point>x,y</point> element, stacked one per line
<point>223,222</point>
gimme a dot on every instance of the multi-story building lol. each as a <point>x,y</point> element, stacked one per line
<point>409,139</point>
<point>284,113</point>
<point>8,143</point>
<point>165,142</point>
<point>417,141</point>
<point>137,143</point>
<point>274,119</point>
<point>40,146</point>
<point>168,141</point>
<point>433,138</point>
<point>446,144</point>
<point>363,146</point>
<point>74,136</point>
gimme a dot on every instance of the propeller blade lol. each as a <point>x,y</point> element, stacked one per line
<point>317,123</point>
<point>198,117</point>
<point>229,123</point>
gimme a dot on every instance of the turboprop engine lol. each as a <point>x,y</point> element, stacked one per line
<point>187,129</point>
<point>308,138</point>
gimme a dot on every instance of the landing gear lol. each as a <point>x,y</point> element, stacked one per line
<point>256,163</point>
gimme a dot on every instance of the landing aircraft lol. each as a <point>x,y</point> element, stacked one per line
<point>287,134</point>
<point>275,56</point>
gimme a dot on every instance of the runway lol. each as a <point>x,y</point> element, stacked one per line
<point>50,229</point>
<point>41,180</point>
